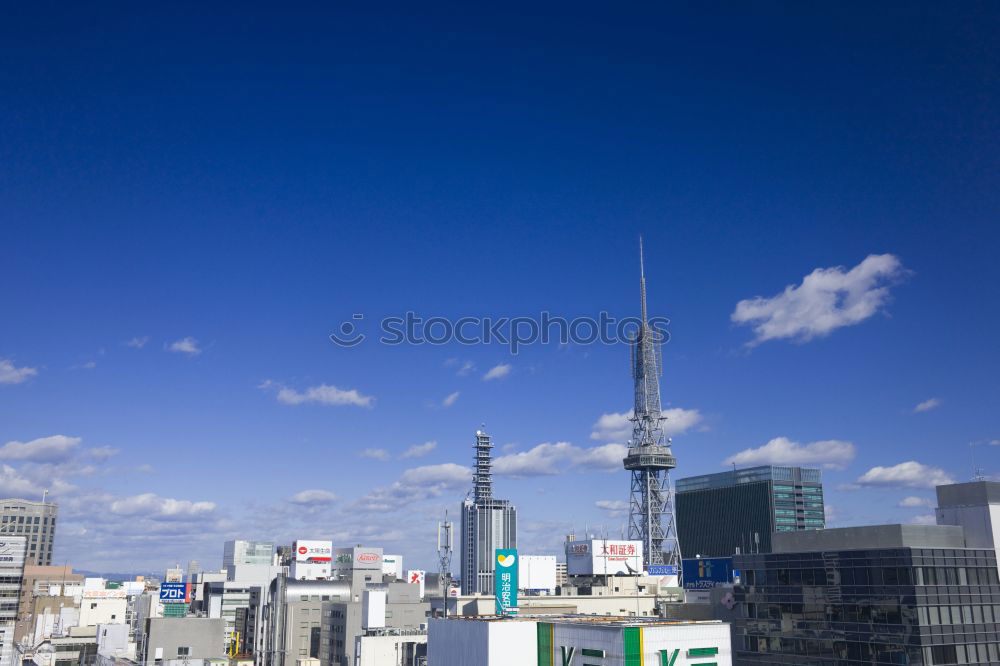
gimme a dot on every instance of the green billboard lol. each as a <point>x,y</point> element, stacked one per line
<point>505,580</point>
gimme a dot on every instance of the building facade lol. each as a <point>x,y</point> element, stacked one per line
<point>886,594</point>
<point>487,524</point>
<point>240,551</point>
<point>36,522</point>
<point>577,640</point>
<point>12,556</point>
<point>737,511</point>
<point>976,507</point>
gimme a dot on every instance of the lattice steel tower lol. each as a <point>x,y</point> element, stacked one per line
<point>651,507</point>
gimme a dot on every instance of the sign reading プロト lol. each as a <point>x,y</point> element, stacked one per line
<point>175,593</point>
<point>505,581</point>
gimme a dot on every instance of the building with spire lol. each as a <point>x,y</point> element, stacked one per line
<point>487,523</point>
<point>649,457</point>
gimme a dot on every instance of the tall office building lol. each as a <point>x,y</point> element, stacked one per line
<point>240,551</point>
<point>12,556</point>
<point>487,524</point>
<point>736,511</point>
<point>36,521</point>
<point>882,594</point>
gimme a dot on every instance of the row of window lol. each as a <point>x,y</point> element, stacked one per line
<point>936,655</point>
<point>921,576</point>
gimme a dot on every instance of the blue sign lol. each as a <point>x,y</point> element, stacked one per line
<point>174,592</point>
<point>662,570</point>
<point>704,573</point>
<point>505,581</point>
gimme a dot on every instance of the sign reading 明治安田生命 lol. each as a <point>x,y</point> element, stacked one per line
<point>505,580</point>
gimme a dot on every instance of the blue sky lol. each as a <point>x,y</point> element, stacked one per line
<point>192,201</point>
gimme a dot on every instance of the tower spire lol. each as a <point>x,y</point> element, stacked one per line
<point>642,281</point>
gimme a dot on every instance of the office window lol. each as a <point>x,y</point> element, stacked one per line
<point>184,651</point>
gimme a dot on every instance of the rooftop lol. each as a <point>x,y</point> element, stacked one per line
<point>974,493</point>
<point>749,475</point>
<point>591,620</point>
<point>869,537</point>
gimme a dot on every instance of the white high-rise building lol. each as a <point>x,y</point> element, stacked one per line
<point>487,524</point>
<point>12,554</point>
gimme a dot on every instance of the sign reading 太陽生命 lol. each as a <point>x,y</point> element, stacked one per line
<point>505,580</point>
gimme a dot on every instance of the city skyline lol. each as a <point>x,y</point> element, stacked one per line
<point>186,229</point>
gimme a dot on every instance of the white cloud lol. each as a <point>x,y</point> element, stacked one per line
<point>150,505</point>
<point>617,426</point>
<point>549,459</point>
<point>927,405</point>
<point>374,454</point>
<point>927,519</point>
<point>613,507</point>
<point>448,474</point>
<point>497,372</point>
<point>186,345</point>
<point>830,513</point>
<point>56,448</point>
<point>137,342</point>
<point>831,453</point>
<point>910,474</point>
<point>10,374</point>
<point>449,399</point>
<point>12,484</point>
<point>913,502</point>
<point>827,299</point>
<point>419,450</point>
<point>313,497</point>
<point>146,468</point>
<point>464,367</point>
<point>102,452</point>
<point>323,394</point>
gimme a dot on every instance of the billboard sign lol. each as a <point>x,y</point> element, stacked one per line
<point>417,577</point>
<point>313,551</point>
<point>662,570</point>
<point>174,593</point>
<point>359,557</point>
<point>604,557</point>
<point>704,573</point>
<point>505,581</point>
<point>12,551</point>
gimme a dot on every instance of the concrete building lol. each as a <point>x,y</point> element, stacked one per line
<point>103,606</point>
<point>737,511</point>
<point>41,581</point>
<point>36,521</point>
<point>239,551</point>
<point>13,550</point>
<point>392,565</point>
<point>976,507</point>
<point>186,638</point>
<point>574,639</point>
<point>292,617</point>
<point>390,647</point>
<point>380,606</point>
<point>487,524</point>
<point>894,594</point>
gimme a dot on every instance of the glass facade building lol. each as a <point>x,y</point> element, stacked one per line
<point>900,603</point>
<point>718,514</point>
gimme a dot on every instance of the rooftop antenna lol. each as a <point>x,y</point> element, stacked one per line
<point>977,472</point>
<point>445,547</point>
